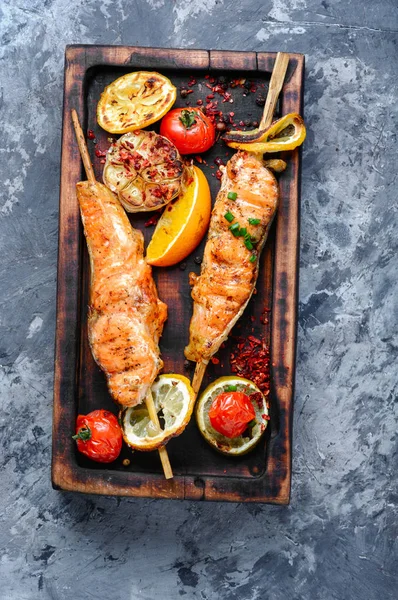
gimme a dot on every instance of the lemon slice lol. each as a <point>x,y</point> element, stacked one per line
<point>183,223</point>
<point>174,400</point>
<point>134,101</point>
<point>248,440</point>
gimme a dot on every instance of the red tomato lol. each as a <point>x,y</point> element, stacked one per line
<point>189,130</point>
<point>230,413</point>
<point>99,436</point>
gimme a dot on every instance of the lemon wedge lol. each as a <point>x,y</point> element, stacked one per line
<point>174,400</point>
<point>183,223</point>
<point>250,438</point>
<point>134,101</point>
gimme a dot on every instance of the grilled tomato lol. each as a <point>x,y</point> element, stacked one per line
<point>99,436</point>
<point>189,129</point>
<point>232,415</point>
<point>144,169</point>
<point>134,101</point>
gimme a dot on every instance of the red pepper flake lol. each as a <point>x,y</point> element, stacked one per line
<point>210,97</point>
<point>227,97</point>
<point>209,86</point>
<point>250,358</point>
<point>215,360</point>
<point>99,153</point>
<point>199,102</point>
<point>218,174</point>
<point>198,158</point>
<point>191,82</point>
<point>207,76</point>
<point>212,80</point>
<point>91,134</point>
<point>218,161</point>
<point>218,89</point>
<point>154,219</point>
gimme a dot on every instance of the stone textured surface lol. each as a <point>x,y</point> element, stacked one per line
<point>338,538</point>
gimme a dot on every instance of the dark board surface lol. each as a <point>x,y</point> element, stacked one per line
<point>264,474</point>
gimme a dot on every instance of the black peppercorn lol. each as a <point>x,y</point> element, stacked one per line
<point>260,99</point>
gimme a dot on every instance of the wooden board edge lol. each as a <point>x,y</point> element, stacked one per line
<point>67,271</point>
<point>139,56</point>
<point>285,292</point>
<point>236,60</point>
<point>87,481</point>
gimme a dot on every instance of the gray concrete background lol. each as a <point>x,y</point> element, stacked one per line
<point>338,538</point>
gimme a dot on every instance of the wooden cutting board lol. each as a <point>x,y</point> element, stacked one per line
<point>200,473</point>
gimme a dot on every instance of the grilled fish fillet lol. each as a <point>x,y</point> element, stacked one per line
<point>126,316</point>
<point>228,277</point>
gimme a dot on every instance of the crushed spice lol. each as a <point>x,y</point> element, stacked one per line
<point>250,358</point>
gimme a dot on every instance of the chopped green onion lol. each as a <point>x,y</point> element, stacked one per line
<point>243,232</point>
<point>229,216</point>
<point>254,221</point>
<point>231,388</point>
<point>252,258</point>
<point>235,229</point>
<point>248,244</point>
<point>232,196</point>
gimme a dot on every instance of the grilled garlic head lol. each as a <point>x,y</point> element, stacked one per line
<point>144,169</point>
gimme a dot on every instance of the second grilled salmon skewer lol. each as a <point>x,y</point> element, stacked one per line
<point>247,202</point>
<point>126,316</point>
<point>243,212</point>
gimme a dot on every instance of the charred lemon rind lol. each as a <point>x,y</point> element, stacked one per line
<point>248,440</point>
<point>286,133</point>
<point>145,170</point>
<point>134,101</point>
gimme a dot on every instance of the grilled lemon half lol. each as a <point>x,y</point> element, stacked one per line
<point>144,169</point>
<point>174,399</point>
<point>249,439</point>
<point>134,101</point>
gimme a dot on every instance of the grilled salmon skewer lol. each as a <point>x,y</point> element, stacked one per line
<point>249,193</point>
<point>126,316</point>
<point>242,215</point>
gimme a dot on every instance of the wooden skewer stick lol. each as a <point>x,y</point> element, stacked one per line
<point>275,86</point>
<point>164,457</point>
<point>83,148</point>
<point>200,370</point>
